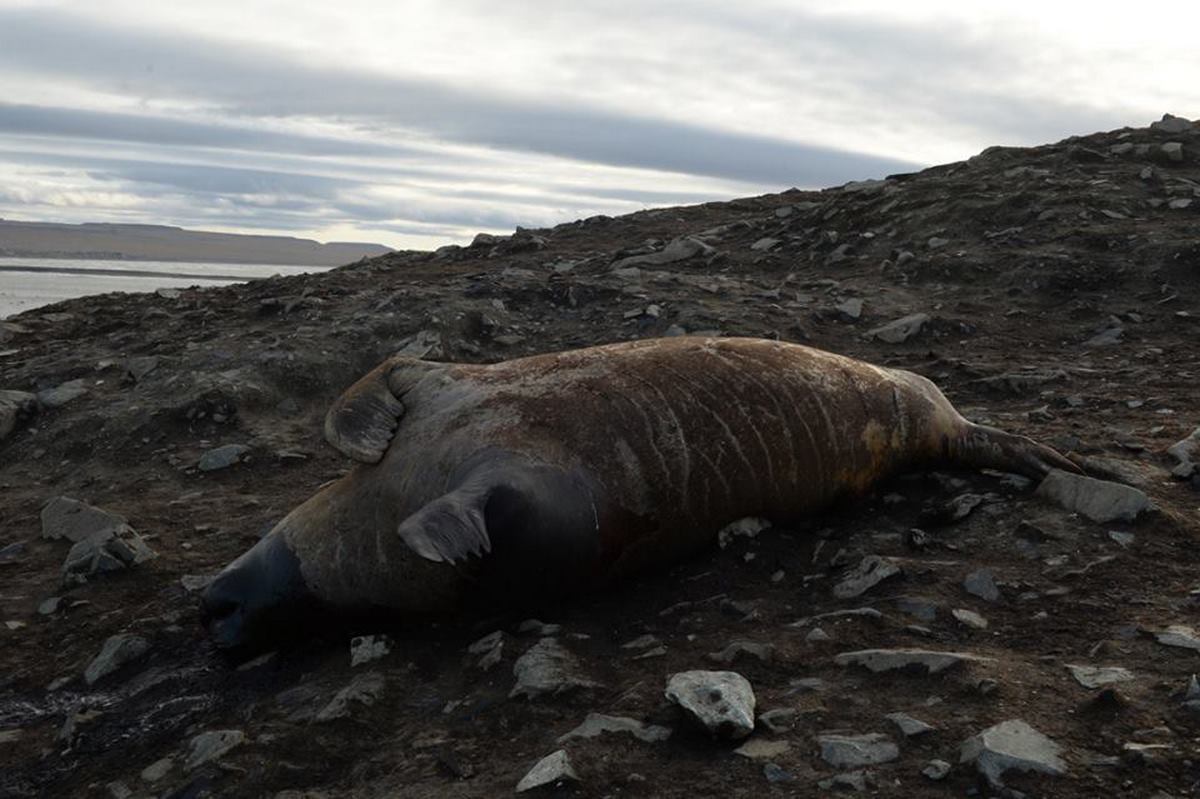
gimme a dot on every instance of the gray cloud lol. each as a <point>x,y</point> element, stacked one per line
<point>259,83</point>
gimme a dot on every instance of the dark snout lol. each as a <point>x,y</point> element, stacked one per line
<point>259,599</point>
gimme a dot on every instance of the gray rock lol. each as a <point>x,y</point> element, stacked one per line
<point>927,660</point>
<point>364,690</point>
<point>117,651</point>
<point>779,720</point>
<point>982,583</point>
<point>63,517</point>
<point>48,607</point>
<point>855,781</point>
<point>776,773</point>
<point>762,749</point>
<point>854,751</point>
<point>598,723</point>
<point>1097,676</point>
<point>1186,452</point>
<point>721,702</point>
<point>937,242</point>
<point>222,457</point>
<point>1172,151</point>
<point>908,725</point>
<point>1172,124</point>
<point>1122,538</point>
<point>106,551</point>
<point>817,636</point>
<point>869,572</point>
<point>1098,500</point>
<point>16,407</point>
<point>851,309</point>
<point>138,368</point>
<point>900,330</point>
<point>1012,745</point>
<point>679,249</point>
<point>765,244</point>
<point>366,648</point>
<point>1180,637</point>
<point>208,746</point>
<point>158,769</point>
<point>1192,692</point>
<point>62,394</point>
<point>762,652</point>
<point>936,770</point>
<point>552,769</point>
<point>969,618</point>
<point>548,668</point>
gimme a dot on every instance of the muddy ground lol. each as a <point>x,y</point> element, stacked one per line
<point>1062,288</point>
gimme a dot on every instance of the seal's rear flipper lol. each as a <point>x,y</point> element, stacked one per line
<point>523,515</point>
<point>989,448</point>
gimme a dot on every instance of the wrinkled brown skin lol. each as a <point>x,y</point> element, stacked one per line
<point>674,438</point>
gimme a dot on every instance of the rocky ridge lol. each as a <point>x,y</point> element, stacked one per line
<point>1046,638</point>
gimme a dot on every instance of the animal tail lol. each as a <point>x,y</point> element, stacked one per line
<point>983,447</point>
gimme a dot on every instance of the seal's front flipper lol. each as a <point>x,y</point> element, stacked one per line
<point>523,515</point>
<point>360,423</point>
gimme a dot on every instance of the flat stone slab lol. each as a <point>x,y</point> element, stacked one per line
<point>117,651</point>
<point>1097,676</point>
<point>928,660</point>
<point>1012,745</point>
<point>552,769</point>
<point>1180,636</point>
<point>721,702</point>
<point>64,517</point>
<point>900,330</point>
<point>853,751</point>
<point>598,723</point>
<point>548,668</point>
<point>870,572</point>
<point>1099,500</point>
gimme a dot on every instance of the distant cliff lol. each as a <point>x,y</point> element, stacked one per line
<point>162,243</point>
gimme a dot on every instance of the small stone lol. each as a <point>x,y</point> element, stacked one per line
<point>970,618</point>
<point>1122,538</point>
<point>63,517</point>
<point>49,607</point>
<point>1172,150</point>
<point>222,457</point>
<point>158,769</point>
<point>552,769</point>
<point>936,770</point>
<point>1097,676</point>
<point>62,394</point>
<point>869,572</point>
<point>982,583</point>
<point>762,652</point>
<point>118,790</point>
<point>539,627</point>
<point>117,651</point>
<point>641,642</point>
<point>1193,689</point>
<point>776,773</point>
<point>851,309</point>
<point>16,408</point>
<point>929,661</point>
<point>548,668</point>
<point>1186,453</point>
<point>908,725</point>
<point>208,746</point>
<point>138,368</point>
<point>765,244</point>
<point>597,723</point>
<point>778,720</point>
<point>722,702</point>
<point>852,751</point>
<point>1012,745</point>
<point>1099,500</point>
<point>1179,636</point>
<point>366,648</point>
<point>936,243</point>
<point>679,249</point>
<point>817,636</point>
<point>900,330</point>
<point>363,690</point>
<point>762,749</point>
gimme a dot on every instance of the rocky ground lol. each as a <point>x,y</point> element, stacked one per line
<point>1036,639</point>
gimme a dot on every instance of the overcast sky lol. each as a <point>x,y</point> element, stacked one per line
<point>416,123</point>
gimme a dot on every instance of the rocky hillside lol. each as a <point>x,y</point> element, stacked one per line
<point>1033,639</point>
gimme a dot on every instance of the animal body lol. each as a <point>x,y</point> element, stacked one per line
<point>560,472</point>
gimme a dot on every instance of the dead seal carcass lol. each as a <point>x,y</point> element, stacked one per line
<point>565,470</point>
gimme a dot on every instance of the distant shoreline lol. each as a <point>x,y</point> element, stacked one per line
<point>71,270</point>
